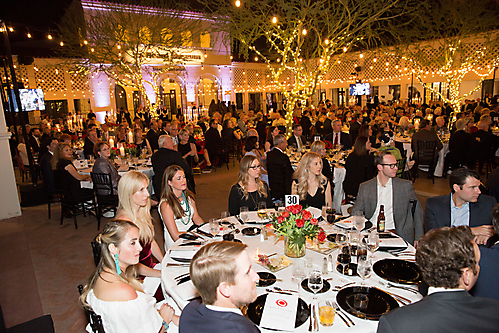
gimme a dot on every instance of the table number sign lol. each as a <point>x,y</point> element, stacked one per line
<point>290,200</point>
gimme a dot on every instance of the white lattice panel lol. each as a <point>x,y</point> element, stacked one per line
<point>239,77</point>
<point>79,82</point>
<point>386,65</point>
<point>343,70</point>
<point>50,78</point>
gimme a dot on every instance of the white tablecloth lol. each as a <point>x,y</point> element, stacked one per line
<point>268,247</point>
<point>439,169</point>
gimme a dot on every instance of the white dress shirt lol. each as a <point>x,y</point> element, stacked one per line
<point>385,198</point>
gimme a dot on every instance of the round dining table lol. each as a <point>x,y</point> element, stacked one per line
<point>182,292</point>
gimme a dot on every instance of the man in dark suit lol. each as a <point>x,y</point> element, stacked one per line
<point>465,205</point>
<point>163,158</point>
<point>355,126</point>
<point>152,135</point>
<point>486,285</point>
<point>295,140</point>
<point>403,212</point>
<point>90,140</point>
<point>327,128</point>
<point>222,274</point>
<point>34,139</point>
<point>279,169</point>
<point>45,167</point>
<point>213,142</point>
<point>338,137</point>
<point>306,124</point>
<point>448,259</point>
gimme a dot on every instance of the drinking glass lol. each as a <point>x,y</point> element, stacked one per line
<point>364,268</point>
<point>262,210</point>
<point>244,213</point>
<point>361,250</point>
<point>224,216</point>
<point>344,257</point>
<point>373,241</point>
<point>341,239</point>
<point>359,220</point>
<point>315,282</point>
<point>136,161</point>
<point>299,270</point>
<point>354,240</point>
<point>326,312</point>
<point>214,227</point>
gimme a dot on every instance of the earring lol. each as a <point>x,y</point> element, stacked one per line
<point>116,262</point>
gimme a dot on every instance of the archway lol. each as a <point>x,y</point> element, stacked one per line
<point>172,93</point>
<point>208,88</point>
<point>120,97</point>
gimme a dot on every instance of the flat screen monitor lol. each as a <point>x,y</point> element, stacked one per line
<point>359,89</point>
<point>32,99</point>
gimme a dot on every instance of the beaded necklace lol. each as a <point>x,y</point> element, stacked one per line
<point>188,209</point>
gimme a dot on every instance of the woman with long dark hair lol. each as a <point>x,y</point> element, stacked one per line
<point>359,166</point>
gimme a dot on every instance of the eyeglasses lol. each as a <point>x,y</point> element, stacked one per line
<point>255,167</point>
<point>392,166</point>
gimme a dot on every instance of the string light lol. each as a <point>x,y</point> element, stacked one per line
<point>29,35</point>
<point>61,43</point>
<point>238,3</point>
<point>304,32</point>
<point>274,20</point>
<point>49,37</point>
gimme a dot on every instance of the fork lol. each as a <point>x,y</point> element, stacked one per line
<point>181,276</point>
<point>389,285</point>
<point>343,315</point>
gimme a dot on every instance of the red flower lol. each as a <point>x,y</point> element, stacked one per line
<point>321,236</point>
<point>306,215</point>
<point>314,221</point>
<point>296,209</point>
<point>285,214</point>
<point>300,223</point>
<point>280,219</point>
<point>289,208</point>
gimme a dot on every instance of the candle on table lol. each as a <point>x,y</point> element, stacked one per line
<point>122,151</point>
<point>130,137</point>
<point>111,142</point>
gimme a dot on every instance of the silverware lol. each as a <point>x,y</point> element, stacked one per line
<point>184,279</point>
<point>343,286</point>
<point>316,324</point>
<point>336,308</point>
<point>272,254</point>
<point>173,264</point>
<point>277,292</point>
<point>239,219</point>
<point>181,276</point>
<point>390,285</point>
<point>286,290</point>
<point>401,299</point>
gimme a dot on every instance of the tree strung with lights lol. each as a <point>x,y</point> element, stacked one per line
<point>133,44</point>
<point>461,41</point>
<point>304,37</point>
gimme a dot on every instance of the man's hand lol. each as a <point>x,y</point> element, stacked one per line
<point>482,233</point>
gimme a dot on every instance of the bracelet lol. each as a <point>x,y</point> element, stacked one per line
<point>166,326</point>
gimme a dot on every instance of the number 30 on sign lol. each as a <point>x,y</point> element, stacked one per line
<point>291,200</point>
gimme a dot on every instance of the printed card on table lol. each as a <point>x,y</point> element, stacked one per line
<point>279,312</point>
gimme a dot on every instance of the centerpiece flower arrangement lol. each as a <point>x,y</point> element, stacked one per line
<point>132,150</point>
<point>296,224</point>
<point>114,153</point>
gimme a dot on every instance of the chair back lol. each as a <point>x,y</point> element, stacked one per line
<point>94,319</point>
<point>401,167</point>
<point>96,250</point>
<point>426,152</point>
<point>102,183</point>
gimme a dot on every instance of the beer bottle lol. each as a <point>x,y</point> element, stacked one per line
<point>381,219</point>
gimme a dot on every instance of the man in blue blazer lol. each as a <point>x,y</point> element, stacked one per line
<point>486,285</point>
<point>222,274</point>
<point>463,206</point>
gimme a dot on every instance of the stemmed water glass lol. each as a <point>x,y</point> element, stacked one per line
<point>315,282</point>
<point>359,220</point>
<point>373,241</point>
<point>224,216</point>
<point>262,210</point>
<point>364,268</point>
<point>214,227</point>
<point>244,213</point>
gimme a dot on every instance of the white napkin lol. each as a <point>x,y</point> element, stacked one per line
<point>316,212</point>
<point>392,242</point>
<point>345,224</point>
<point>187,291</point>
<point>151,284</point>
<point>192,248</point>
<point>188,254</point>
<point>279,312</point>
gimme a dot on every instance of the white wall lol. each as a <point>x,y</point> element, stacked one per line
<point>9,198</point>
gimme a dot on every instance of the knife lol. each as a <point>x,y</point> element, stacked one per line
<point>191,244</point>
<point>204,233</point>
<point>239,219</point>
<point>184,279</point>
<point>278,292</point>
<point>173,264</point>
<point>316,323</point>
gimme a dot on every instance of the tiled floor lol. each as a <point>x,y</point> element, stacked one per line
<point>55,258</point>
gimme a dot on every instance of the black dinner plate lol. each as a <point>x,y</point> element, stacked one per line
<point>255,310</point>
<point>392,248</point>
<point>266,279</point>
<point>365,302</point>
<point>190,237</point>
<point>351,269</point>
<point>181,259</point>
<point>251,231</point>
<point>398,271</point>
<point>331,238</point>
<point>325,286</point>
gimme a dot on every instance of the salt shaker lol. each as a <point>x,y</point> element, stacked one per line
<point>329,263</point>
<point>324,266</point>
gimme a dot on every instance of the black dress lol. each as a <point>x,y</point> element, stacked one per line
<point>184,149</point>
<point>318,200</point>
<point>359,169</point>
<point>66,182</point>
<point>236,200</point>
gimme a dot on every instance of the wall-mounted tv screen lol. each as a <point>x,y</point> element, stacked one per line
<point>32,99</point>
<point>359,89</point>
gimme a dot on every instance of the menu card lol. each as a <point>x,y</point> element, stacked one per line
<point>392,242</point>
<point>279,312</point>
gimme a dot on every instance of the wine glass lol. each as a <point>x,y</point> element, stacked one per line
<point>344,257</point>
<point>359,220</point>
<point>315,282</point>
<point>373,241</point>
<point>214,227</point>
<point>364,268</point>
<point>244,213</point>
<point>224,216</point>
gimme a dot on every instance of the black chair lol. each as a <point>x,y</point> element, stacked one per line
<point>402,173</point>
<point>94,319</point>
<point>103,190</point>
<point>426,155</point>
<point>96,250</point>
<point>75,203</point>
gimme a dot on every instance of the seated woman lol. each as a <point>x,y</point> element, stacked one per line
<point>461,146</point>
<point>387,140</point>
<point>204,156</point>
<point>103,165</point>
<point>310,184</point>
<point>250,189</point>
<point>177,207</point>
<point>271,133</point>
<point>140,141</point>
<point>62,163</point>
<point>230,134</point>
<point>319,147</point>
<point>359,166</point>
<point>187,149</point>
<point>113,291</point>
<point>135,206</point>
<point>251,146</point>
